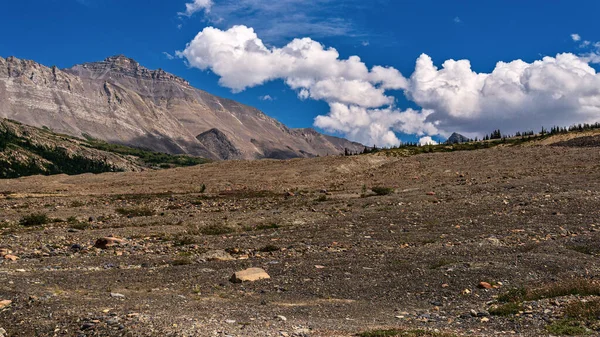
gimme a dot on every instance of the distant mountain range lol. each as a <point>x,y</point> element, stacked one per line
<point>119,101</point>
<point>457,138</point>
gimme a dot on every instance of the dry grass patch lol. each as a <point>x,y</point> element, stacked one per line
<point>404,333</point>
<point>576,286</point>
<point>588,310</point>
<point>216,230</point>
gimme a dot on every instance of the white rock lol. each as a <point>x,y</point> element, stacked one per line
<point>249,275</point>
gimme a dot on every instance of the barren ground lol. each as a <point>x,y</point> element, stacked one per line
<point>340,264</point>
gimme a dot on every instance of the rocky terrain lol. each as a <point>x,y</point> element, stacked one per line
<point>119,101</point>
<point>492,242</point>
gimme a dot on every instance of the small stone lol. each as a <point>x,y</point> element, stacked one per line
<point>230,321</point>
<point>319,266</point>
<point>249,275</point>
<point>466,292</point>
<point>281,318</point>
<point>5,303</point>
<point>87,326</point>
<point>112,321</point>
<point>117,295</point>
<point>11,257</point>
<point>107,242</point>
<point>484,285</point>
<point>485,319</point>
<point>430,193</point>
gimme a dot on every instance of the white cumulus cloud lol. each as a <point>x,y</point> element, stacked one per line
<point>197,6</point>
<point>575,37</point>
<point>427,141</point>
<point>515,96</point>
<point>242,60</point>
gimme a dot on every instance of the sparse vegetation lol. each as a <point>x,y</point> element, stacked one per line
<point>440,263</point>
<point>146,156</point>
<point>260,227</point>
<point>181,262</point>
<point>77,203</point>
<point>269,249</point>
<point>321,198</point>
<point>507,309</point>
<point>380,190</point>
<point>184,240</point>
<point>216,230</point>
<point>36,219</point>
<point>135,211</point>
<point>588,310</point>
<point>567,327</point>
<point>587,249</point>
<point>576,286</point>
<point>404,333</point>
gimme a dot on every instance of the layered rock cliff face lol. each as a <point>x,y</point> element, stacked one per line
<point>120,101</point>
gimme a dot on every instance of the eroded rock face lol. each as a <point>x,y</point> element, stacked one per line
<point>218,142</point>
<point>120,101</point>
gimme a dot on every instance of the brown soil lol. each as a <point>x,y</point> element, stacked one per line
<point>339,263</point>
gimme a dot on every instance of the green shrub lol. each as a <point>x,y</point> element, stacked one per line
<point>513,295</point>
<point>507,309</point>
<point>34,220</point>
<point>379,190</point>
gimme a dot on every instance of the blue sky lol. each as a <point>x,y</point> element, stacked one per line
<point>381,32</point>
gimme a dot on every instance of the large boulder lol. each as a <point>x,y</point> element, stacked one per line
<point>250,275</point>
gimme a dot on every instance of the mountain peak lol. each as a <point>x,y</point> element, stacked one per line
<point>121,66</point>
<point>457,138</point>
<point>121,60</point>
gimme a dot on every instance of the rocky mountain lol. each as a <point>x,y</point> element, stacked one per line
<point>122,102</point>
<point>457,138</point>
<point>27,150</point>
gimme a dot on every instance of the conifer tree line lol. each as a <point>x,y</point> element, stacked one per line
<point>494,135</point>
